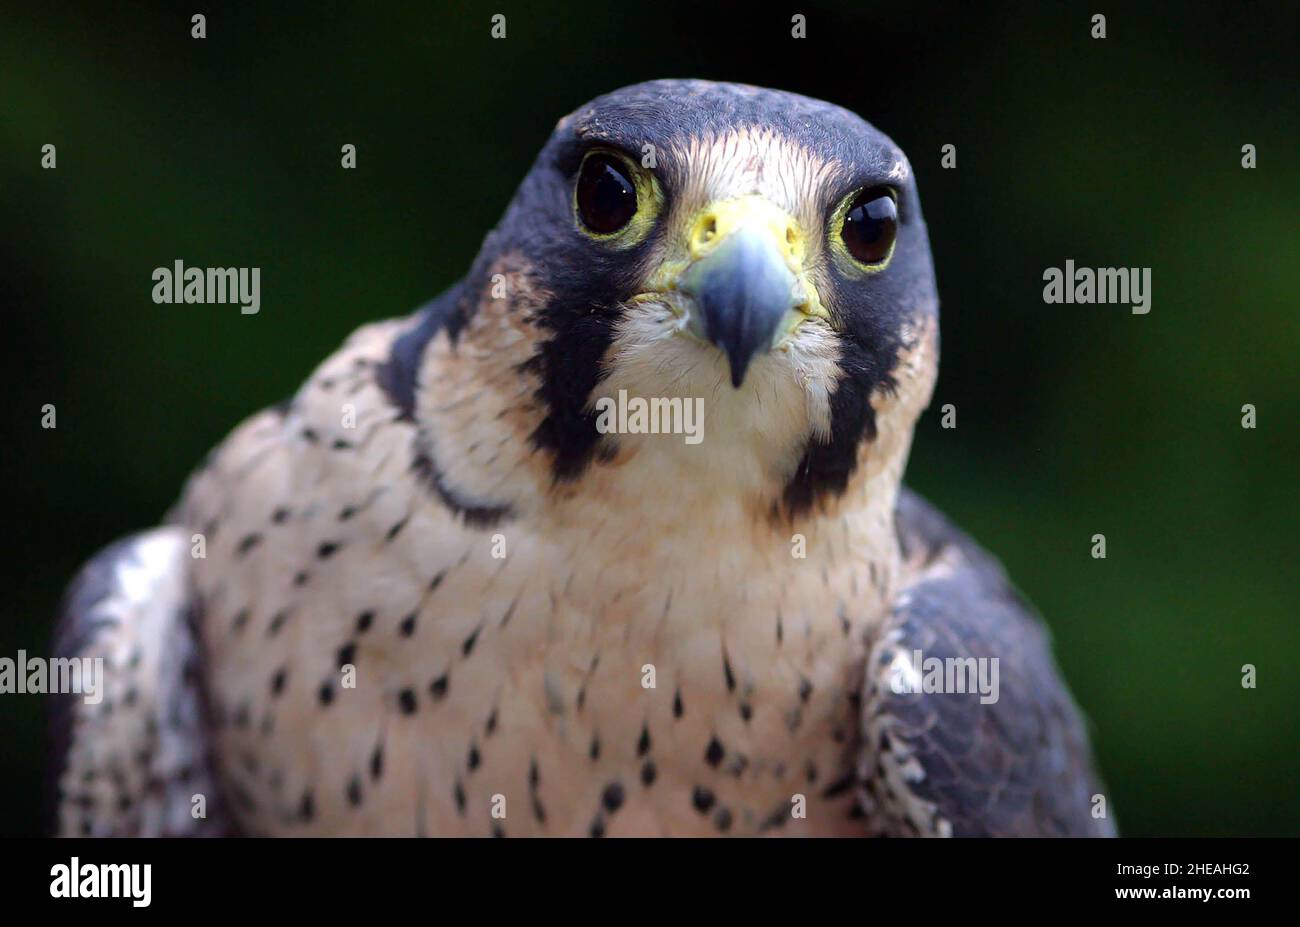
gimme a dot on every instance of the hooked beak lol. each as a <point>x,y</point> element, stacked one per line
<point>741,278</point>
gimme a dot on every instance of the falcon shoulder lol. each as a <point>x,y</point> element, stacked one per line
<point>129,760</point>
<point>133,762</point>
<point>947,763</point>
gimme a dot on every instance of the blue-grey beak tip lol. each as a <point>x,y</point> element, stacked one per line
<point>744,290</point>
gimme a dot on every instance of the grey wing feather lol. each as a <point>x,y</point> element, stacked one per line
<point>951,763</point>
<point>128,758</point>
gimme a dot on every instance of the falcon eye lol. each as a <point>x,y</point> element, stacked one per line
<point>606,195</point>
<point>870,224</point>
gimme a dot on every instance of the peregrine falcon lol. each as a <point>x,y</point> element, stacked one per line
<point>435,593</point>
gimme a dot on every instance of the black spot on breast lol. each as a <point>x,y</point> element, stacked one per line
<point>327,549</point>
<point>307,807</point>
<point>468,647</point>
<point>377,763</point>
<point>326,693</point>
<point>247,543</point>
<point>714,753</point>
<point>364,621</point>
<point>703,799</point>
<point>775,820</point>
<point>438,688</point>
<point>278,681</point>
<point>354,791</point>
<point>280,516</point>
<point>474,758</point>
<point>406,701</point>
<point>407,627</point>
<point>839,786</point>
<point>643,743</point>
<point>722,820</point>
<point>677,704</point>
<point>648,773</point>
<point>612,798</point>
<point>347,654</point>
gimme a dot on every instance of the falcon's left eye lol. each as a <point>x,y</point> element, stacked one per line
<point>870,224</point>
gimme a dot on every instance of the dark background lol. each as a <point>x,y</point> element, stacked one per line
<point>1072,420</point>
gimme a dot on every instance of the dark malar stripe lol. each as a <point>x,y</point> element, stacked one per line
<point>825,468</point>
<point>570,367</point>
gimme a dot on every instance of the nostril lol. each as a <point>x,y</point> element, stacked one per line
<point>793,242</point>
<point>706,230</point>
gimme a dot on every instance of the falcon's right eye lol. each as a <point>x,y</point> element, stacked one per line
<point>606,195</point>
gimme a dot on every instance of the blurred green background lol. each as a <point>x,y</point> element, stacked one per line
<point>1072,420</point>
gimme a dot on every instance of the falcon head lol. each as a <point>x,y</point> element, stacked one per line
<point>759,250</point>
